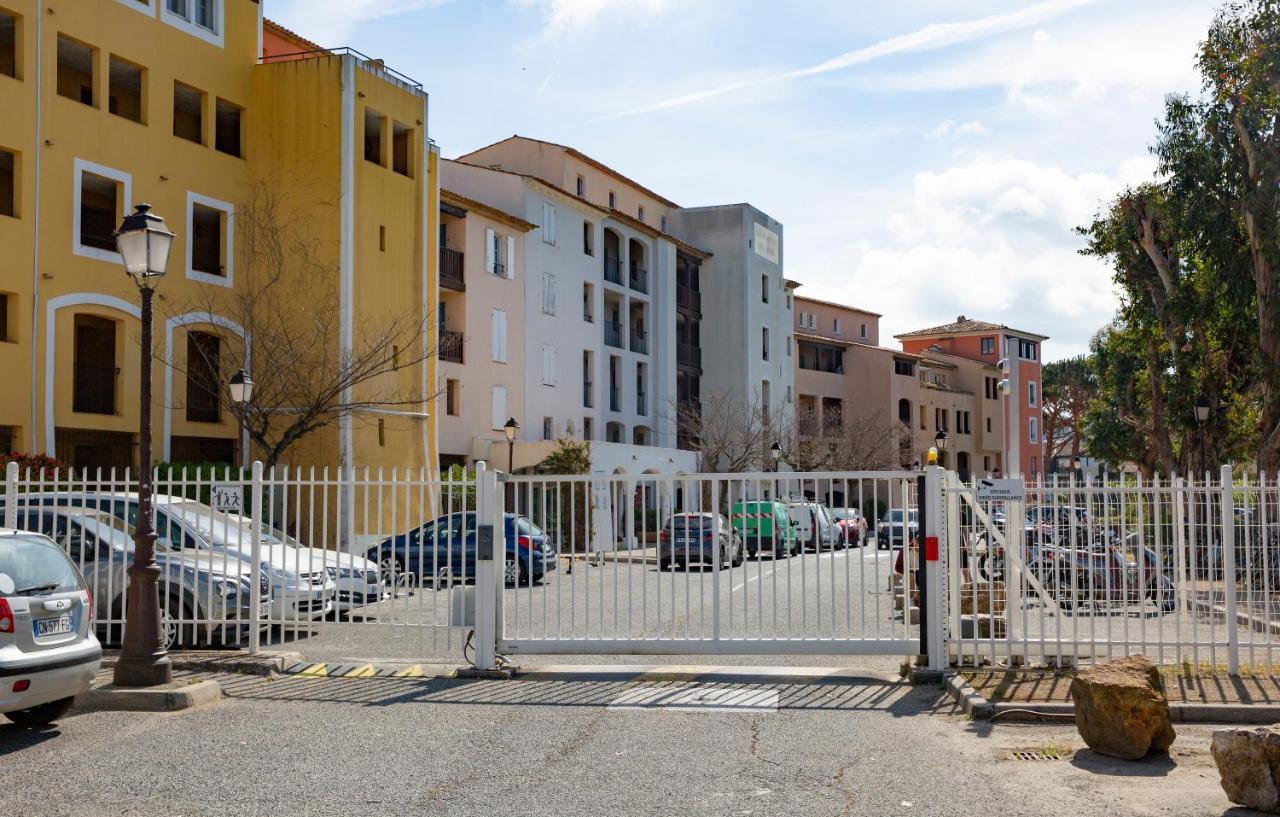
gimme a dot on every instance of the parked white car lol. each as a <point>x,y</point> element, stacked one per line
<point>814,526</point>
<point>48,652</point>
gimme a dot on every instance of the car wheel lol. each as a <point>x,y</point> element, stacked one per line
<point>391,571</point>
<point>41,715</point>
<point>511,572</point>
<point>738,555</point>
<point>177,635</point>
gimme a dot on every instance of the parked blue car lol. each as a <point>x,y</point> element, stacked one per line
<point>442,552</point>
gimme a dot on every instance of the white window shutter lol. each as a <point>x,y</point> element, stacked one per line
<point>489,259</point>
<point>499,336</point>
<point>553,223</point>
<point>553,365</point>
<point>498,407</point>
<point>511,257</point>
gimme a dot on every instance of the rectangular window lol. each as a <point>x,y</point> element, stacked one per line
<point>1027,349</point>
<point>451,398</point>
<point>588,429</point>
<point>373,124</point>
<point>663,224</point>
<point>497,407</point>
<point>613,200</point>
<point>788,346</point>
<point>548,294</point>
<point>228,127</point>
<point>988,425</point>
<point>582,187</point>
<point>923,418</point>
<point>126,83</point>
<point>548,364</point>
<point>907,368</point>
<point>382,238</point>
<point>188,113</point>
<point>499,319</point>
<point>209,224</point>
<point>1032,396</point>
<point>764,289</point>
<point>9,41</point>
<point>93,390</point>
<point>988,346</point>
<point>548,428</point>
<point>203,381</point>
<point>588,303</point>
<point>8,183</point>
<point>200,12</point>
<point>75,70</point>
<point>548,223</point>
<point>6,303</point>
<point>764,337</point>
<point>100,207</point>
<point>1034,429</point>
<point>401,148</point>
<point>640,212</point>
<point>588,238</point>
<point>835,326</point>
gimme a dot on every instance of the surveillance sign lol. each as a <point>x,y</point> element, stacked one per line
<point>1002,490</point>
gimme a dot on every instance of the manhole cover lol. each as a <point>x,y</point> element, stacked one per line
<point>1037,754</point>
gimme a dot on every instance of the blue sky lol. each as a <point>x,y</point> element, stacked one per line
<point>928,158</point>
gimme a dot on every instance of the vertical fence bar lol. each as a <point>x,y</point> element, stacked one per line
<point>1229,570</point>
<point>11,495</point>
<point>932,595</point>
<point>255,568</point>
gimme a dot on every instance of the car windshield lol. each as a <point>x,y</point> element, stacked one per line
<point>526,528</point>
<point>34,565</point>
<point>111,531</point>
<point>224,528</point>
<point>690,522</point>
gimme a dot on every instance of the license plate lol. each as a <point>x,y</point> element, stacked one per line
<point>52,626</point>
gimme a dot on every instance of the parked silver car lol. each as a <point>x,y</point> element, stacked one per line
<point>204,597</point>
<point>48,652</point>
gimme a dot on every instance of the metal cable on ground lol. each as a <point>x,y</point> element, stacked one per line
<point>1032,712</point>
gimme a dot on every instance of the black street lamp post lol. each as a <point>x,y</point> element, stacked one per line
<point>1202,417</point>
<point>511,429</point>
<point>241,388</point>
<point>775,454</point>
<point>144,243</point>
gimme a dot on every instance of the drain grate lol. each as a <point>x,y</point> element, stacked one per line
<point>1036,754</point>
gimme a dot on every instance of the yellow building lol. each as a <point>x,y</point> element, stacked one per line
<point>109,103</point>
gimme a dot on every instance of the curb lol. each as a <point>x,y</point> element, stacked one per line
<point>111,698</point>
<point>242,663</point>
<point>979,708</point>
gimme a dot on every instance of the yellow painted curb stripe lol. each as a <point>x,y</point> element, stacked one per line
<point>409,672</point>
<point>367,671</point>
<point>316,670</point>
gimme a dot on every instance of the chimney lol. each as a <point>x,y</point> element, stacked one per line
<point>960,319</point>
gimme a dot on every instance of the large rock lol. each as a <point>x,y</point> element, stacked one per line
<point>1249,765</point>
<point>1121,710</point>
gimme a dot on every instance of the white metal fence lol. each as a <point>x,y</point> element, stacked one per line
<point>1182,570</point>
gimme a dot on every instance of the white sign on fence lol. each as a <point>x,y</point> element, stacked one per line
<point>227,497</point>
<point>1002,490</point>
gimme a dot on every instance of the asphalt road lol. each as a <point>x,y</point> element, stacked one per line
<point>384,746</point>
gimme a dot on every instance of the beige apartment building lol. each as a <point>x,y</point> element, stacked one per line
<point>848,384</point>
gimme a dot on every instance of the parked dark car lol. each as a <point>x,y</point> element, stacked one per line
<point>443,552</point>
<point>691,537</point>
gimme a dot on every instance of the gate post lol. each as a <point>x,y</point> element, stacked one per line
<point>11,496</point>
<point>932,593</point>
<point>490,546</point>
<point>1228,523</point>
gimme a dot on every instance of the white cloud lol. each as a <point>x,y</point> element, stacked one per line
<point>330,22</point>
<point>932,36</point>
<point>565,15</point>
<point>991,239</point>
<point>948,127</point>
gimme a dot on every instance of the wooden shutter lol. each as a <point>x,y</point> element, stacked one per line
<point>489,259</point>
<point>511,257</point>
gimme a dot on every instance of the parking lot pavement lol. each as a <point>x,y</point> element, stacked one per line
<point>382,746</point>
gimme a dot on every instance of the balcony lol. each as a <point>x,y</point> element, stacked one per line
<point>613,334</point>
<point>639,341</point>
<point>689,300</point>
<point>612,269</point>
<point>451,270</point>
<point>689,355</point>
<point>587,394</point>
<point>450,346</point>
<point>640,279</point>
<point>615,399</point>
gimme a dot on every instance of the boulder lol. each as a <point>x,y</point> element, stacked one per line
<point>1249,765</point>
<point>1121,710</point>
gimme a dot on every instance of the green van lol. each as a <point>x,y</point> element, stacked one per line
<point>765,525</point>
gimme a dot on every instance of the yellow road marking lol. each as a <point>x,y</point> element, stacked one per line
<point>414,671</point>
<point>316,670</point>
<point>367,671</point>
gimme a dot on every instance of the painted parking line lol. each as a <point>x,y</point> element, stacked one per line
<point>752,579</point>
<point>647,697</point>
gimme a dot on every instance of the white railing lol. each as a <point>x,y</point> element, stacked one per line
<point>1182,570</point>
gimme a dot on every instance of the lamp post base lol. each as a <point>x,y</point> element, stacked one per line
<point>144,661</point>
